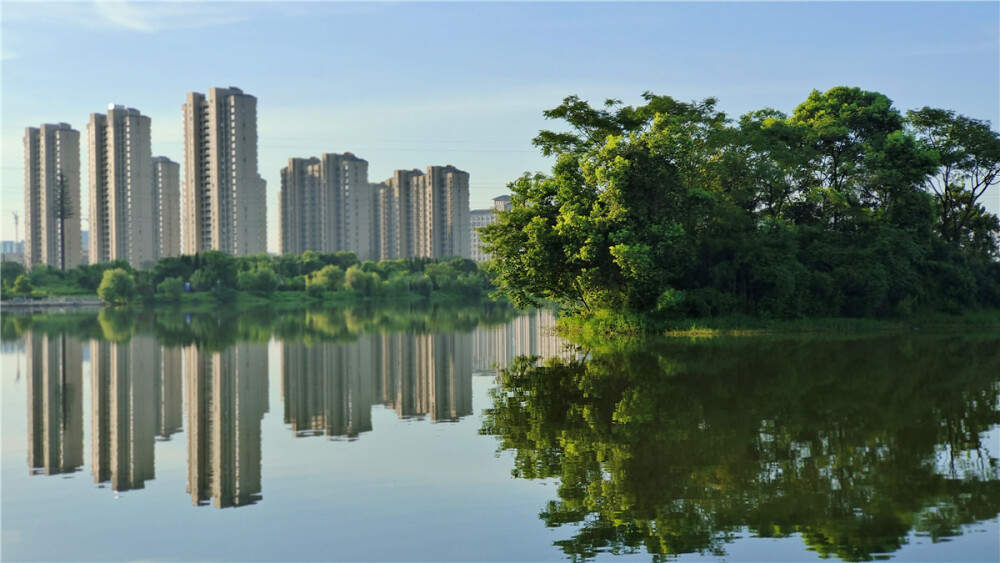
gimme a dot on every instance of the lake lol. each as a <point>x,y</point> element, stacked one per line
<point>473,433</point>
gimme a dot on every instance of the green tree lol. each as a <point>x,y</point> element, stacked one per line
<point>855,157</point>
<point>214,270</point>
<point>117,287</point>
<point>262,280</point>
<point>364,283</point>
<point>170,290</point>
<point>968,164</point>
<point>327,278</point>
<point>616,223</point>
<point>9,272</point>
<point>22,285</point>
<point>63,209</point>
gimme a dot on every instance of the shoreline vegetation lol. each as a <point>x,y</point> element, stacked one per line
<point>594,329</point>
<point>672,217</point>
<point>213,278</point>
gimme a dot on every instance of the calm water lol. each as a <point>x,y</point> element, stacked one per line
<point>425,434</point>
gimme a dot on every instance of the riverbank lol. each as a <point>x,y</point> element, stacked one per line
<point>613,325</point>
<point>20,304</point>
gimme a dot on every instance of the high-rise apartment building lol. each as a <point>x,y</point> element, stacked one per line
<point>121,193</point>
<point>396,214</point>
<point>224,202</point>
<point>479,218</point>
<point>167,206</point>
<point>441,213</point>
<point>52,196</point>
<point>326,205</point>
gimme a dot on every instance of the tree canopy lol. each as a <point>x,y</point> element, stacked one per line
<point>117,287</point>
<point>846,207</point>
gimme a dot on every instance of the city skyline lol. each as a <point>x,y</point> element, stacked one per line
<point>473,96</point>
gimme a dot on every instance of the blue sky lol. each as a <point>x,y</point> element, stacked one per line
<point>410,84</point>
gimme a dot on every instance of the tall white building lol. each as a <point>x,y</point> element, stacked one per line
<point>398,233</point>
<point>167,206</point>
<point>441,211</point>
<point>224,198</point>
<point>327,205</point>
<point>479,218</point>
<point>52,196</point>
<point>122,198</point>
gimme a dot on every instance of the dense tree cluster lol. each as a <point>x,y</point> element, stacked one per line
<point>847,207</point>
<point>222,275</point>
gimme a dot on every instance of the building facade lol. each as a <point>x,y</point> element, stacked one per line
<point>479,218</point>
<point>441,213</point>
<point>396,209</point>
<point>327,205</point>
<point>52,196</point>
<point>122,200</point>
<point>167,206</point>
<point>224,198</point>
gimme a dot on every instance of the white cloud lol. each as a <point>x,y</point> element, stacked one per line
<point>156,16</point>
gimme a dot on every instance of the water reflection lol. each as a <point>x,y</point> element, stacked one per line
<point>674,448</point>
<point>226,401</point>
<point>55,403</point>
<point>330,388</point>
<point>123,410</point>
<point>154,376</point>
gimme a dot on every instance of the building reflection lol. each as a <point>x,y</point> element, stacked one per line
<point>531,334</point>
<point>226,396</point>
<point>426,374</point>
<point>329,388</point>
<point>55,403</point>
<point>141,392</point>
<point>171,393</point>
<point>124,410</point>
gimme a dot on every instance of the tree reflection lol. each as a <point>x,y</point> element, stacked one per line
<point>675,447</point>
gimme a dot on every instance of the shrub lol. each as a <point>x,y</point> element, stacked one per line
<point>117,287</point>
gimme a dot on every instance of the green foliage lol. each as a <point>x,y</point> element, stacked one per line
<point>968,164</point>
<point>22,285</point>
<point>170,290</point>
<point>262,281</point>
<point>329,278</point>
<point>360,281</point>
<point>9,272</point>
<point>671,209</point>
<point>117,287</point>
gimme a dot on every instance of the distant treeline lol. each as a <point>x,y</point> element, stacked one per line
<point>223,276</point>
<point>846,208</point>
